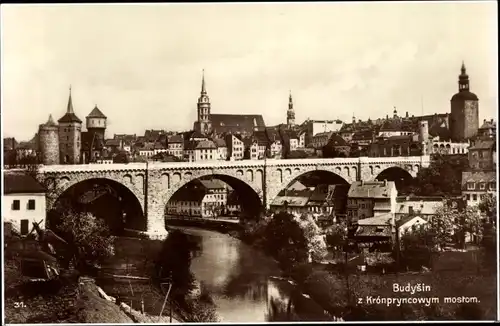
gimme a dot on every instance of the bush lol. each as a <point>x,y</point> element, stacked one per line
<point>89,236</point>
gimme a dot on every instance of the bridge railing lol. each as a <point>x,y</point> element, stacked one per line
<point>224,164</point>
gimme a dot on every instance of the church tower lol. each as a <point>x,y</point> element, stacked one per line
<point>203,124</point>
<point>464,118</point>
<point>290,113</point>
<point>70,130</point>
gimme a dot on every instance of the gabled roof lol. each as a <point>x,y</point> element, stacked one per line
<point>175,139</point>
<point>375,189</point>
<point>18,183</point>
<point>405,219</point>
<point>212,184</point>
<point>483,144</point>
<point>336,140</point>
<point>379,220</point>
<point>113,142</point>
<point>220,142</point>
<point>232,123</point>
<point>478,176</point>
<point>96,113</point>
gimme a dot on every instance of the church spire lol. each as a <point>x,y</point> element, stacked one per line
<point>290,113</point>
<point>70,102</point>
<point>203,89</point>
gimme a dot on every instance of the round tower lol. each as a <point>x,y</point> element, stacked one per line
<point>423,135</point>
<point>48,134</point>
<point>96,122</point>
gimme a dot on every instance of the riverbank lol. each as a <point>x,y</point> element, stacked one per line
<point>462,291</point>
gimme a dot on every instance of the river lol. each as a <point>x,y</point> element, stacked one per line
<point>243,282</point>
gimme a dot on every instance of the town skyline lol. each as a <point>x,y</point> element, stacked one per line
<point>412,68</point>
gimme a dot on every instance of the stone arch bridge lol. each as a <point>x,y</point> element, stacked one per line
<point>154,183</point>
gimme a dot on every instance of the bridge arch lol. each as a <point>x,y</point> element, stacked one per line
<point>402,176</point>
<point>247,197</point>
<point>247,184</point>
<point>111,200</point>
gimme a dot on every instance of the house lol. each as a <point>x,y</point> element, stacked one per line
<point>275,143</point>
<point>409,223</point>
<point>201,198</point>
<point>488,129</point>
<point>233,207</point>
<point>147,150</point>
<point>336,147</point>
<point>221,148</point>
<point>23,202</point>
<point>321,139</point>
<point>482,154</point>
<point>423,206</point>
<point>311,128</point>
<point>406,145</point>
<point>476,184</point>
<point>369,199</point>
<point>204,150</point>
<point>260,145</point>
<point>113,145</point>
<point>175,145</point>
<point>377,229</point>
<point>214,202</point>
<point>294,202</point>
<point>159,147</point>
<point>235,146</point>
<point>153,135</point>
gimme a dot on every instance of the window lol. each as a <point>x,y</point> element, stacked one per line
<point>474,197</point>
<point>468,196</point>
<point>482,186</point>
<point>470,185</point>
<point>16,205</point>
<point>31,204</point>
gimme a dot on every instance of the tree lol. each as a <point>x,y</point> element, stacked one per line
<point>443,177</point>
<point>89,237</point>
<point>488,206</point>
<point>315,242</point>
<point>336,235</point>
<point>121,157</point>
<point>452,224</point>
<point>441,226</point>
<point>284,240</point>
<point>417,247</point>
<point>10,157</point>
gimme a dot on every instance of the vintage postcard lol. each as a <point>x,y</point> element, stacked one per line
<point>249,162</point>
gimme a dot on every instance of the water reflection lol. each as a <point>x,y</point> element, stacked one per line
<point>244,284</point>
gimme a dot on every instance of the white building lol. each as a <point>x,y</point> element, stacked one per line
<point>424,207</point>
<point>221,148</point>
<point>23,202</point>
<point>204,150</point>
<point>235,147</point>
<point>476,184</point>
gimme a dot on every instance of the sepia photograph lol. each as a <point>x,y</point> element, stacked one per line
<point>249,162</point>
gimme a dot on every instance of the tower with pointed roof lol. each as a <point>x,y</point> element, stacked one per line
<point>48,142</point>
<point>96,123</point>
<point>70,132</point>
<point>290,113</point>
<point>203,124</point>
<point>464,118</point>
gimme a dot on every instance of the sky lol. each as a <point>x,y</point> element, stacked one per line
<point>142,64</point>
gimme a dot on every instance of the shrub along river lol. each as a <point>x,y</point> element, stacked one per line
<point>244,283</point>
